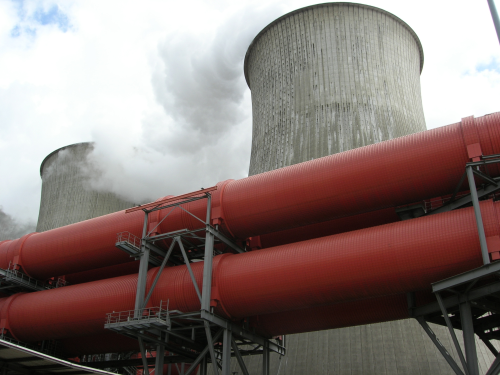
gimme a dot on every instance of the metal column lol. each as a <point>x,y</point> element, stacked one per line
<point>203,366</point>
<point>469,339</point>
<point>265,359</point>
<point>226,352</point>
<point>160,353</point>
<point>143,269</point>
<point>207,267</point>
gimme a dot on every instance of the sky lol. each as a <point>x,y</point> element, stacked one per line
<point>159,86</point>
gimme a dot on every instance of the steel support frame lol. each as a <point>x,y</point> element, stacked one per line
<point>214,327</point>
<point>462,286</point>
<point>460,303</point>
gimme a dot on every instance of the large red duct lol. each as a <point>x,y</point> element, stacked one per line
<point>389,259</point>
<point>343,314</point>
<point>387,174</point>
<point>339,315</point>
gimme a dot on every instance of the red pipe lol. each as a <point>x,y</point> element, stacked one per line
<point>326,228</point>
<point>103,273</point>
<point>387,174</point>
<point>340,315</point>
<point>343,314</point>
<point>389,259</point>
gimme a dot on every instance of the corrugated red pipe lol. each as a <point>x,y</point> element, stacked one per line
<point>387,174</point>
<point>389,259</point>
<point>343,314</point>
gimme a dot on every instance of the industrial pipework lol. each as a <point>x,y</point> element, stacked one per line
<point>388,174</point>
<point>381,261</point>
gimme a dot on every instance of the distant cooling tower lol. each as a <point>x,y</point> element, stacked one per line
<point>67,196</point>
<point>329,78</point>
<point>325,79</point>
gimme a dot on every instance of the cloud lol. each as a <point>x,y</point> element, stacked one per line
<point>11,229</point>
<point>199,133</point>
<point>159,87</point>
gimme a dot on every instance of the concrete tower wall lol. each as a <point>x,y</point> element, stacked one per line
<point>329,78</point>
<point>67,197</point>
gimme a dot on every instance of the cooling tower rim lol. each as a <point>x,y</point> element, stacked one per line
<point>58,150</point>
<point>396,18</point>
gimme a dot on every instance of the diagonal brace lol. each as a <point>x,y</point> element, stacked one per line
<point>188,264</point>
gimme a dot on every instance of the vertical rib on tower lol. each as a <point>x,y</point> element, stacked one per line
<point>329,78</point>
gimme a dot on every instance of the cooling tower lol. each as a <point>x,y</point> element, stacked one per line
<point>325,79</point>
<point>329,78</point>
<point>67,196</point>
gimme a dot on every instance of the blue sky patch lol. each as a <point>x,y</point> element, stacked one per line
<point>493,65</point>
<point>53,16</point>
<point>28,23</point>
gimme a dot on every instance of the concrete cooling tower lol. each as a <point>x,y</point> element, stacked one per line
<point>329,78</point>
<point>67,196</point>
<point>325,79</point>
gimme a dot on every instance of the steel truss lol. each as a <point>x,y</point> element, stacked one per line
<point>469,301</point>
<point>199,337</point>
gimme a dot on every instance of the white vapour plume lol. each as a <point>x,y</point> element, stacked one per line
<point>200,131</point>
<point>11,229</point>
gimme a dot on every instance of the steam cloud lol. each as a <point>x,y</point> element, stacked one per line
<point>201,132</point>
<point>11,229</point>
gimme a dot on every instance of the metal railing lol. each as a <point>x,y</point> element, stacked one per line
<point>130,238</point>
<point>146,314</point>
<point>15,276</point>
<point>60,283</point>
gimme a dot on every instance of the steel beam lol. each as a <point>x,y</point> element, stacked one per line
<point>454,204</point>
<point>487,159</point>
<point>477,214</point>
<point>225,240</point>
<point>476,273</point>
<point>237,353</point>
<point>159,204</point>
<point>495,367</point>
<point>440,346</point>
<point>488,344</point>
<point>188,265</point>
<point>162,266</point>
<point>202,357</point>
<point>239,331</point>
<point>452,334</point>
<point>456,300</point>
<point>143,356</point>
<point>211,348</point>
